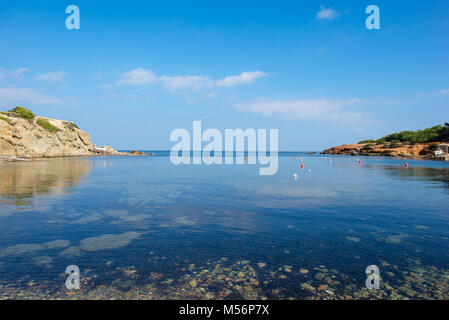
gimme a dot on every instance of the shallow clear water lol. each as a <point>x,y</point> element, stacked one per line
<point>141,222</point>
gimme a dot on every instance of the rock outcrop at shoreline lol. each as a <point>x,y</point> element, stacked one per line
<point>420,144</point>
<point>419,151</point>
<point>23,135</point>
<point>41,137</point>
<point>107,151</point>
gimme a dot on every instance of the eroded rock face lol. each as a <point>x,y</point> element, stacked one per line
<point>108,151</point>
<point>26,139</point>
<point>420,150</point>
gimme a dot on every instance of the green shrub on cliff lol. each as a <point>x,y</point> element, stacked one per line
<point>395,144</point>
<point>21,112</point>
<point>6,120</point>
<point>46,125</point>
<point>433,146</point>
<point>435,134</point>
<point>368,141</point>
<point>71,125</point>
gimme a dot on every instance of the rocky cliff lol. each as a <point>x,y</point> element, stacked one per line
<point>420,150</point>
<point>36,137</point>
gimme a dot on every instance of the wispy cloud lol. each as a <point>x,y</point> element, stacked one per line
<point>4,74</point>
<point>98,76</point>
<point>326,13</point>
<point>18,96</point>
<point>58,76</point>
<point>244,77</point>
<point>445,92</point>
<point>185,82</point>
<point>141,76</point>
<point>137,77</point>
<point>314,109</point>
<point>105,86</point>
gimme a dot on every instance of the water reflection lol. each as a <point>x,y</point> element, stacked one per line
<point>417,173</point>
<point>20,182</point>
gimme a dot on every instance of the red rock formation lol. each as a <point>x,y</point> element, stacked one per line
<point>138,153</point>
<point>420,150</point>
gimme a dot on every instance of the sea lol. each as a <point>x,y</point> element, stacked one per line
<point>141,227</point>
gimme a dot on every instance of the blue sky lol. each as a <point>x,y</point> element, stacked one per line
<point>136,70</point>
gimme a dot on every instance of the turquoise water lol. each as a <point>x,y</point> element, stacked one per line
<point>141,227</point>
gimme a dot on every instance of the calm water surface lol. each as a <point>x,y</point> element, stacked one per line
<point>146,228</point>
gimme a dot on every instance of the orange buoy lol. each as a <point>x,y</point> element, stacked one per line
<point>302,165</point>
<point>246,158</point>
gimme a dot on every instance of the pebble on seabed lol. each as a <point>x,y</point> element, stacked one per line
<point>240,280</point>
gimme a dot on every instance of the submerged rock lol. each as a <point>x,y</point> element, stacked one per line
<point>307,286</point>
<point>320,276</point>
<point>108,241</point>
<point>43,261</point>
<point>71,252</point>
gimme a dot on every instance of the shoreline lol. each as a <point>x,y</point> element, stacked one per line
<point>382,155</point>
<point>4,159</point>
<point>32,159</point>
<point>422,151</point>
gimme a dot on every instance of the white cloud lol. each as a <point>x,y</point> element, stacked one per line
<point>4,74</point>
<point>17,96</point>
<point>444,92</point>
<point>313,109</point>
<point>142,76</point>
<point>98,76</point>
<point>57,76</point>
<point>105,86</point>
<point>244,77</point>
<point>185,82</point>
<point>326,13</point>
<point>137,77</point>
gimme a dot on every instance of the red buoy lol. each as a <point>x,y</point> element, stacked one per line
<point>406,164</point>
<point>302,165</point>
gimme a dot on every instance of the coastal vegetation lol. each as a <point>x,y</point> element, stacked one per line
<point>46,125</point>
<point>24,113</point>
<point>434,134</point>
<point>420,144</point>
<point>71,125</point>
<point>21,112</point>
<point>6,120</point>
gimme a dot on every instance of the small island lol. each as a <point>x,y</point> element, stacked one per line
<point>25,136</point>
<point>431,143</point>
